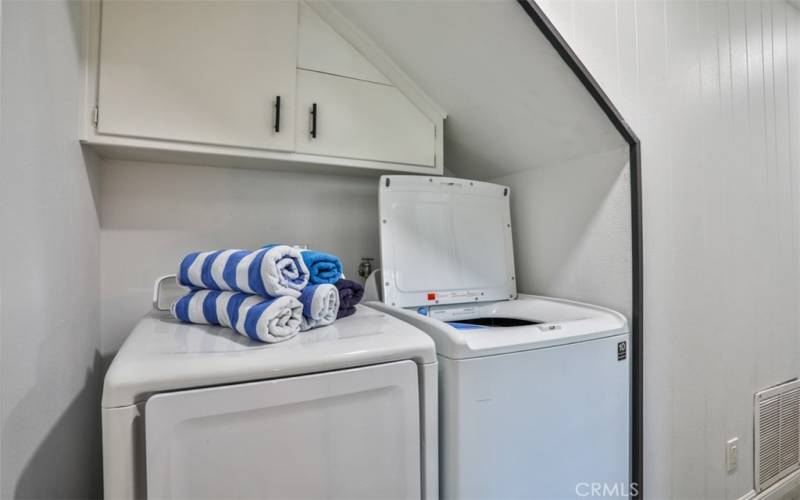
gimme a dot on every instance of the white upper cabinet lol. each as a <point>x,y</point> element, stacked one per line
<point>352,118</point>
<point>347,108</point>
<point>205,72</point>
<point>200,82</point>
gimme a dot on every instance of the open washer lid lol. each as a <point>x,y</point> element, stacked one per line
<point>445,241</point>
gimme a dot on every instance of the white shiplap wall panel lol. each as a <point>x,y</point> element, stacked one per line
<point>712,88</point>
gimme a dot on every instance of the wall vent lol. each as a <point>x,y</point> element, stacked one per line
<point>777,433</point>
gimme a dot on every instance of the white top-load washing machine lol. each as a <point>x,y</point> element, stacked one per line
<point>534,391</point>
<point>344,411</point>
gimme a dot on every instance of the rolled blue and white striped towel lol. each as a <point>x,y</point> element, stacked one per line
<point>320,306</point>
<point>272,271</point>
<point>265,320</point>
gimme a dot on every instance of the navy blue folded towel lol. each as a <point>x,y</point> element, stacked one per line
<point>350,294</point>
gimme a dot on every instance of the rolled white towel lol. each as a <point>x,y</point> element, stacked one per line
<point>320,306</point>
<point>265,320</point>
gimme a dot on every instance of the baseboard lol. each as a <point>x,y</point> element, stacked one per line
<point>783,487</point>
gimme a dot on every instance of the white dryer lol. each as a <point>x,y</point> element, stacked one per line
<point>534,391</point>
<point>345,411</point>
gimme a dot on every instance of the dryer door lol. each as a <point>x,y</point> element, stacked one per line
<point>344,434</point>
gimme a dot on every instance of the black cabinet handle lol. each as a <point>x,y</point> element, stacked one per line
<point>277,114</point>
<point>314,121</point>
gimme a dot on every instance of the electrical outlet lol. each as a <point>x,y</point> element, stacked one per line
<point>732,454</point>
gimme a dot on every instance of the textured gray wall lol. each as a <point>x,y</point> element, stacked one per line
<point>49,253</point>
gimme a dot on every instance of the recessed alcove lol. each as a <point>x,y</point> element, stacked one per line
<point>524,112</point>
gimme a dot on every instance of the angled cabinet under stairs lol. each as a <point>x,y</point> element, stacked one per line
<point>320,48</point>
<point>276,84</point>
<point>346,107</point>
<point>352,118</point>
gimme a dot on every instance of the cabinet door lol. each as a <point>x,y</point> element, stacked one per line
<point>320,48</point>
<point>363,120</point>
<point>205,72</point>
<point>343,434</point>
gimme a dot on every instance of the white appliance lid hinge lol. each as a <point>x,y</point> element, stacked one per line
<point>95,115</point>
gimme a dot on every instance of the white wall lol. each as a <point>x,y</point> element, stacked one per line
<point>49,320</point>
<point>511,102</point>
<point>572,229</point>
<point>711,88</point>
<point>153,214</point>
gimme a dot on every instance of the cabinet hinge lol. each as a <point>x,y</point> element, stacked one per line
<point>95,115</point>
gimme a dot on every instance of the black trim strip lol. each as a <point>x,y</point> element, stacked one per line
<point>637,412</point>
